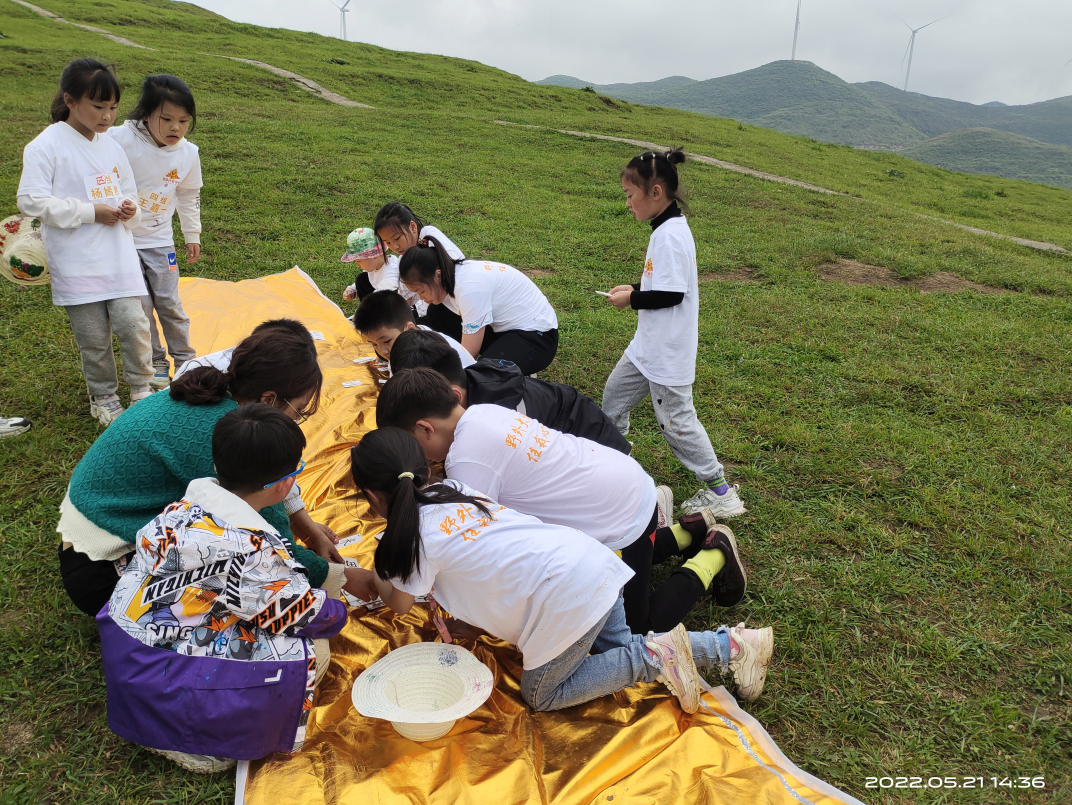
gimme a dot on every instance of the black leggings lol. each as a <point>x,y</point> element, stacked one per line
<point>443,320</point>
<point>660,610</point>
<point>531,351</point>
<point>88,582</point>
<point>363,285</point>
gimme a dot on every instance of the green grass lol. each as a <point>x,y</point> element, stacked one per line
<point>904,457</point>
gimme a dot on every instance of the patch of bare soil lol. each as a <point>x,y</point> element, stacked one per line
<point>736,275</point>
<point>852,272</point>
<point>537,272</point>
<point>15,736</point>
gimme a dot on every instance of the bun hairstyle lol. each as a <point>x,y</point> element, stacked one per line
<point>420,263</point>
<point>279,355</point>
<point>657,167</point>
<point>395,214</point>
<point>84,78</point>
<point>160,88</point>
<point>390,461</point>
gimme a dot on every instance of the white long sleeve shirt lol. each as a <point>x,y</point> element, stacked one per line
<point>63,176</point>
<point>168,179</point>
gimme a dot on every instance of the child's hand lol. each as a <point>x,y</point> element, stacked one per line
<point>322,542</point>
<point>103,214</point>
<point>127,210</point>
<point>620,296</point>
<point>193,252</point>
<point>460,630</point>
<point>359,584</point>
<point>350,294</point>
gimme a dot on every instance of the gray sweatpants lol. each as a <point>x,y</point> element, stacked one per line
<point>93,325</point>
<point>674,410</point>
<point>162,282</point>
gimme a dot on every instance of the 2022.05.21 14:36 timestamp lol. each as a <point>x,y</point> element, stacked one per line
<point>955,782</point>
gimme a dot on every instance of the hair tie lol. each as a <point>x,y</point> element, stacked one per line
<point>405,475</point>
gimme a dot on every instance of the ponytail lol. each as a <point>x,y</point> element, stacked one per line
<point>420,263</point>
<point>390,461</point>
<point>657,167</point>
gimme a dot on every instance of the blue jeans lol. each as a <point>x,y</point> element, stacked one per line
<point>609,658</point>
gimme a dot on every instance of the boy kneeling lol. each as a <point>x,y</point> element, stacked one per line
<point>207,641</point>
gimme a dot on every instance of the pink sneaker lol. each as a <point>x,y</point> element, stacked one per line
<point>749,667</point>
<point>674,652</point>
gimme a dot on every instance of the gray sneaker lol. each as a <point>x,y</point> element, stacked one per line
<point>13,426</point>
<point>105,410</point>
<point>727,505</point>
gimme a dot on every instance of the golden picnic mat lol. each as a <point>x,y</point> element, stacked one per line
<point>634,747</point>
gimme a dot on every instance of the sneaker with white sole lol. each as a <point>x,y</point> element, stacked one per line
<point>725,505</point>
<point>749,667</point>
<point>673,650</point>
<point>161,380</point>
<point>664,497</point>
<point>105,410</point>
<point>13,426</point>
<point>729,584</point>
<point>137,395</point>
<point>199,764</point>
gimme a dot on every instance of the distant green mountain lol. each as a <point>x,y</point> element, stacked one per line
<point>801,98</point>
<point>1012,156</point>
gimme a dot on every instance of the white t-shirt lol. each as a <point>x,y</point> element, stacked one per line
<point>560,478</point>
<point>664,347</point>
<point>89,262</point>
<point>498,296</point>
<point>447,243</point>
<point>221,360</point>
<point>162,175</point>
<point>538,586</point>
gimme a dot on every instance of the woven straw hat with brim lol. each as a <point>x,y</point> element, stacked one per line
<point>423,688</point>
<point>362,244</point>
<point>22,251</point>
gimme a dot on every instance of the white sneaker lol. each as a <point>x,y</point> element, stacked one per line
<point>105,410</point>
<point>13,426</point>
<point>664,497</point>
<point>161,380</point>
<point>674,652</point>
<point>727,505</point>
<point>749,667</point>
<point>200,764</point>
<point>137,395</point>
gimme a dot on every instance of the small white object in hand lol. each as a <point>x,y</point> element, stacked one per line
<point>383,379</point>
<point>366,359</point>
<point>317,335</point>
<point>603,293</point>
<point>349,383</point>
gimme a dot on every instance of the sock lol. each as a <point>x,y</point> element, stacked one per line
<point>706,565</point>
<point>719,485</point>
<point>681,536</point>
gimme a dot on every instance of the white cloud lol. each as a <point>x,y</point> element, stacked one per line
<point>986,50</point>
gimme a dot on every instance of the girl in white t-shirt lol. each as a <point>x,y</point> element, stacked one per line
<point>549,590</point>
<point>504,315</point>
<point>379,271</point>
<point>167,170</point>
<point>661,359</point>
<point>80,186</point>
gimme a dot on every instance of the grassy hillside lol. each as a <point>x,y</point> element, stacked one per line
<point>904,457</point>
<point>998,153</point>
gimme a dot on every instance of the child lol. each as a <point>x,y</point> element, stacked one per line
<point>661,360</point>
<point>399,229</point>
<point>213,640</point>
<point>377,273</point>
<point>548,589</point>
<point>501,383</point>
<point>385,315</point>
<point>167,171</point>
<point>504,315</point>
<point>521,463</point>
<point>80,185</point>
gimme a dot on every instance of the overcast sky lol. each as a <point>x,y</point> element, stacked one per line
<point>987,50</point>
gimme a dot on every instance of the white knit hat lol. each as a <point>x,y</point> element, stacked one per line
<point>22,251</point>
<point>423,688</point>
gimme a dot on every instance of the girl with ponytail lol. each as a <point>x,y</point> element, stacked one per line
<point>550,590</point>
<point>661,359</point>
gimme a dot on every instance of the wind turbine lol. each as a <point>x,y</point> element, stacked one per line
<point>343,11</point>
<point>910,50</point>
<point>796,30</point>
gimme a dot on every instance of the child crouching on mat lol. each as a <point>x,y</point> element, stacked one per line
<point>550,590</point>
<point>384,315</point>
<point>213,640</point>
<point>521,463</point>
<point>379,271</point>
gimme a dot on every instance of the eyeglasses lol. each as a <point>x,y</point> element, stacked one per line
<point>301,467</point>
<point>301,415</point>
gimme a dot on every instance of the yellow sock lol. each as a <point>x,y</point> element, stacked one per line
<point>706,565</point>
<point>683,537</point>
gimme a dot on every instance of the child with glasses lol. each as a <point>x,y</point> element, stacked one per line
<point>214,640</point>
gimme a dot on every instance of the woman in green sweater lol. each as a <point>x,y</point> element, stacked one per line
<point>146,458</point>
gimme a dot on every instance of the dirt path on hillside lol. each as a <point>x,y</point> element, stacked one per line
<point>770,177</point>
<point>107,34</point>
<point>305,83</point>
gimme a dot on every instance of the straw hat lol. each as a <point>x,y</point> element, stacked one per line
<point>22,252</point>
<point>423,688</point>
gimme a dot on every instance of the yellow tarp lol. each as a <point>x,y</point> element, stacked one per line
<point>634,747</point>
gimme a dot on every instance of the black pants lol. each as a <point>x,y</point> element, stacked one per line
<point>659,610</point>
<point>363,285</point>
<point>443,320</point>
<point>531,351</point>
<point>88,582</point>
